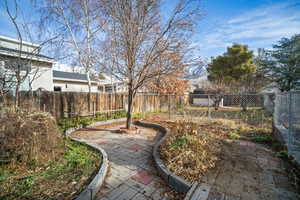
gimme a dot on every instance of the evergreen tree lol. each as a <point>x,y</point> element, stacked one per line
<point>282,64</point>
<point>233,67</point>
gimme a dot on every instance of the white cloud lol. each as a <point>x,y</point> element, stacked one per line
<point>260,27</point>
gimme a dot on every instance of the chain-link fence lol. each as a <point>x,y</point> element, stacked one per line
<point>243,100</point>
<point>287,119</point>
<point>269,102</point>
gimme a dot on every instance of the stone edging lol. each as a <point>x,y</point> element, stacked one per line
<point>91,190</point>
<point>172,180</point>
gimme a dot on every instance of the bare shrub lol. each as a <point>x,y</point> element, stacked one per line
<point>27,137</point>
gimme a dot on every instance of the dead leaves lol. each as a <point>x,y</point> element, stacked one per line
<point>189,153</point>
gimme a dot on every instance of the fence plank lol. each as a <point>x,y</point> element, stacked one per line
<point>71,104</point>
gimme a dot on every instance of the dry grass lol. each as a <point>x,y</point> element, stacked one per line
<point>231,123</point>
<point>189,153</point>
<point>37,163</point>
<point>193,145</point>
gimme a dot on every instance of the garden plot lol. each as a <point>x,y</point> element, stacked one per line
<point>240,158</point>
<point>39,162</point>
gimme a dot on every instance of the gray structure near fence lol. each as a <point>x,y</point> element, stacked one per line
<point>250,100</point>
<point>287,121</point>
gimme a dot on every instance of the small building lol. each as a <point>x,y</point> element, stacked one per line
<point>73,82</point>
<point>202,97</point>
<point>36,67</point>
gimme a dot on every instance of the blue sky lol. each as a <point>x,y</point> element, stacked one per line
<point>257,23</point>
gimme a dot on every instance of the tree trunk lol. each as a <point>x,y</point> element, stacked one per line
<point>90,91</point>
<point>129,108</point>
<point>17,95</point>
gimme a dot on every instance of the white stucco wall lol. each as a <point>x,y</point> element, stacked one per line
<point>74,87</point>
<point>42,77</point>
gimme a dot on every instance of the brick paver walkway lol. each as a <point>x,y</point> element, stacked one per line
<point>247,171</point>
<point>132,174</point>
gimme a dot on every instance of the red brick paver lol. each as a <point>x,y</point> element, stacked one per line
<point>103,142</point>
<point>132,175</point>
<point>143,177</point>
<point>136,147</point>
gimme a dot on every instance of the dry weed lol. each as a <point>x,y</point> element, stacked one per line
<point>27,137</point>
<point>189,153</point>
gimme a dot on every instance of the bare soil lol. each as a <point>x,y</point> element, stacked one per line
<point>248,168</point>
<point>248,171</point>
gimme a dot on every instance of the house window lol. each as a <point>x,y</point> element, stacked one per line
<point>57,89</point>
<point>66,85</point>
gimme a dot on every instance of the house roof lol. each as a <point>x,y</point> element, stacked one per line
<point>4,38</point>
<point>25,55</point>
<point>60,75</point>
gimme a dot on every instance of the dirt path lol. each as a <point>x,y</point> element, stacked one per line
<point>248,171</point>
<point>132,174</point>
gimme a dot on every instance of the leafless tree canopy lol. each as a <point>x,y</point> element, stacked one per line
<point>139,38</point>
<point>16,70</point>
<point>77,24</point>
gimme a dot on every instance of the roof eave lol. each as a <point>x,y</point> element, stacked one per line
<point>24,56</point>
<point>72,80</point>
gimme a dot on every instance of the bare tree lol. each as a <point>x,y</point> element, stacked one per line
<point>139,36</point>
<point>16,69</point>
<point>7,80</point>
<point>77,24</point>
<point>19,69</point>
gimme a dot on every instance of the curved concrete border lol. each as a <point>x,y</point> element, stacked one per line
<point>70,130</point>
<point>91,190</point>
<point>172,180</point>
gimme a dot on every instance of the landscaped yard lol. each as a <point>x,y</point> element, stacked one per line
<point>231,150</point>
<point>61,179</point>
<point>39,162</point>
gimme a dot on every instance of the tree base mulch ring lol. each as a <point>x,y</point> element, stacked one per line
<point>132,131</point>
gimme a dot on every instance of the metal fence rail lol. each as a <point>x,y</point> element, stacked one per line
<point>287,119</point>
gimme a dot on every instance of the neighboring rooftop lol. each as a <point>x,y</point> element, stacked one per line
<point>59,75</point>
<point>12,40</point>
<point>13,47</point>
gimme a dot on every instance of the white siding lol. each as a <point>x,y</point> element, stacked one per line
<point>42,77</point>
<point>74,87</point>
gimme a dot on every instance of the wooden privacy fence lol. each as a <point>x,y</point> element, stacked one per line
<point>71,104</point>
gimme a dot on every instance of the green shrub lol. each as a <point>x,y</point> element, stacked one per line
<point>181,141</point>
<point>264,138</point>
<point>234,136</point>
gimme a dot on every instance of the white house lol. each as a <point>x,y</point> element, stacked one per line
<point>39,67</point>
<point>73,82</point>
<point>41,74</point>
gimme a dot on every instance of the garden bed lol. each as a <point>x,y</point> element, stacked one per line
<point>37,162</point>
<point>64,178</point>
<point>188,153</point>
<point>194,143</point>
